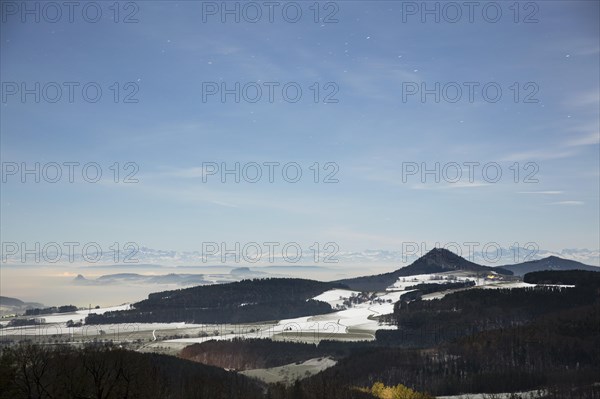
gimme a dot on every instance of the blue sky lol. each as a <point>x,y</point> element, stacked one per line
<point>370,54</point>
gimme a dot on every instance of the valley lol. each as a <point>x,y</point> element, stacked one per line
<point>349,320</point>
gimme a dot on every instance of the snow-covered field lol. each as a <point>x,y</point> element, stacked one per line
<point>335,297</point>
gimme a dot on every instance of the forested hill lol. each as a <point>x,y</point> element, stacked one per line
<point>579,278</point>
<point>438,260</point>
<point>243,301</point>
<point>549,263</point>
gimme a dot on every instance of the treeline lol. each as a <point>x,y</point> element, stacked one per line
<point>223,315</point>
<point>429,288</point>
<point>52,309</point>
<point>107,372</point>
<point>21,323</point>
<point>580,278</point>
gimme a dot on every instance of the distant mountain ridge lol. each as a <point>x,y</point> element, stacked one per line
<point>10,305</point>
<point>182,279</point>
<point>438,260</point>
<point>549,263</point>
<point>135,278</point>
<point>156,258</point>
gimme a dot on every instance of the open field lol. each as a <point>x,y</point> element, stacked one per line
<point>289,373</point>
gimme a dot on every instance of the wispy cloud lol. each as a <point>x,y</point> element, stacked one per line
<point>184,173</point>
<point>541,192</point>
<point>539,154</point>
<point>449,186</point>
<point>567,203</point>
<point>584,99</point>
<point>590,138</point>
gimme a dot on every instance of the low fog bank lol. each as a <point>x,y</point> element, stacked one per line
<point>82,286</point>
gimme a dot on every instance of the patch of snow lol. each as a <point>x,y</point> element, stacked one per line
<point>335,297</point>
<point>512,284</point>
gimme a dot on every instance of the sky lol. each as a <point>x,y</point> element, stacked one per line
<point>387,92</point>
